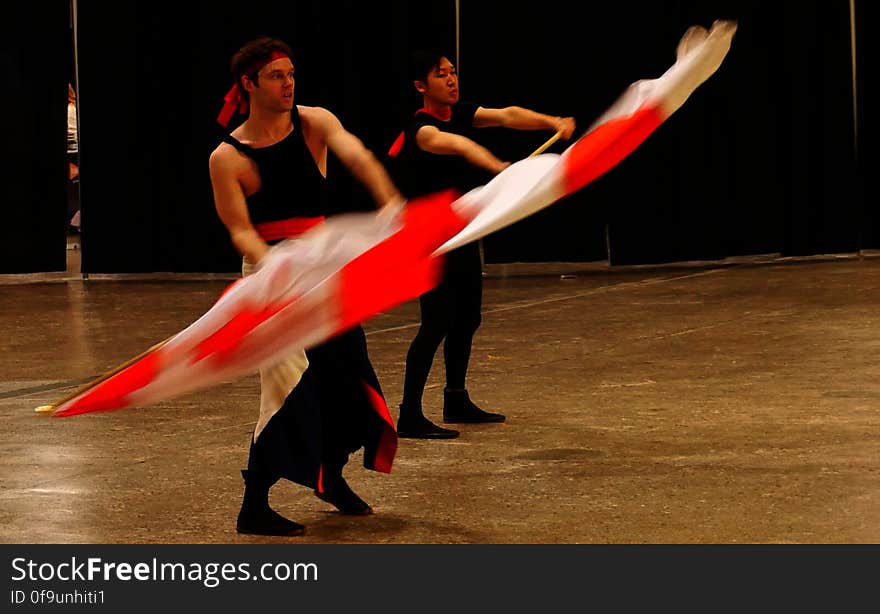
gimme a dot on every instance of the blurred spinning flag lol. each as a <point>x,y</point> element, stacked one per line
<point>353,266</point>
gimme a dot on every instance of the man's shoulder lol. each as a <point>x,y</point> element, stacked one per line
<point>222,151</point>
<point>225,157</point>
<point>317,121</point>
<point>465,110</point>
<point>422,120</point>
<point>313,113</point>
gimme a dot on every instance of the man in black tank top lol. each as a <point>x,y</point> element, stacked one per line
<point>268,178</point>
<point>436,151</point>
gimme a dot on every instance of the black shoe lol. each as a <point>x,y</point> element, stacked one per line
<point>338,493</point>
<point>458,408</point>
<point>419,427</point>
<point>266,521</point>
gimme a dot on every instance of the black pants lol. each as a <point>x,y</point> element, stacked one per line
<point>451,311</point>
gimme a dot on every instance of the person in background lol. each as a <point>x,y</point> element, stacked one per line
<point>437,151</point>
<point>73,215</point>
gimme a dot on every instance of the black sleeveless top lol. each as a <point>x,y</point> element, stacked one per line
<point>419,172</point>
<point>292,186</point>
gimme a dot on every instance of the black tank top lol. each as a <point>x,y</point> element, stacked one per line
<point>291,185</point>
<point>419,172</point>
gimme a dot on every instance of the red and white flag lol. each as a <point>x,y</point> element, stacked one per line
<point>536,182</point>
<point>351,267</point>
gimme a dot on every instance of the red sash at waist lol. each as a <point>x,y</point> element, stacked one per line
<point>287,229</point>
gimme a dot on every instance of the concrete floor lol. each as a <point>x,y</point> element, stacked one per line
<point>723,403</point>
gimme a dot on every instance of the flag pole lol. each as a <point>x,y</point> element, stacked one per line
<point>48,409</point>
<point>544,147</point>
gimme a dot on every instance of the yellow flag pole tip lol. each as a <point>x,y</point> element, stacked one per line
<point>546,145</point>
<point>45,409</point>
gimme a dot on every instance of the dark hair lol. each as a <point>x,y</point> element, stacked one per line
<point>255,53</point>
<point>423,61</point>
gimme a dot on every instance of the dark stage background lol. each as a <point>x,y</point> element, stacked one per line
<point>34,59</point>
<point>760,160</point>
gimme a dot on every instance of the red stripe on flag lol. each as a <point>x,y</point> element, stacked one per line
<point>606,145</point>
<point>364,295</point>
<point>401,267</point>
<point>387,448</point>
<point>113,392</point>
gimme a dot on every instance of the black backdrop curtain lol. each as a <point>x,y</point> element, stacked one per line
<point>760,160</point>
<point>868,50</point>
<point>34,39</point>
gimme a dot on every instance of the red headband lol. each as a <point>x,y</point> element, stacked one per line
<point>234,100</point>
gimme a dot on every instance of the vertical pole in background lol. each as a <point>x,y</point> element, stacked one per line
<point>852,30</point>
<point>852,36</point>
<point>458,70</point>
<point>73,25</point>
<point>458,37</point>
<point>73,18</point>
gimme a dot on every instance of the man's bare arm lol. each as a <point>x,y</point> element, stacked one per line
<point>359,160</point>
<point>231,206</point>
<point>520,118</point>
<point>434,140</point>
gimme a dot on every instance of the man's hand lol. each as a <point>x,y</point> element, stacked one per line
<point>564,125</point>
